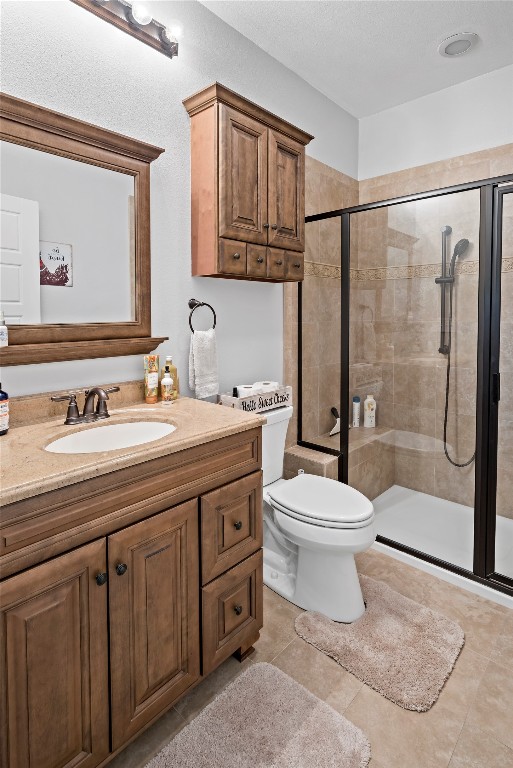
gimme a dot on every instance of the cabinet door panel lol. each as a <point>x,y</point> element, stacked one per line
<point>286,197</point>
<point>154,610</point>
<point>53,643</point>
<point>276,264</point>
<point>242,177</point>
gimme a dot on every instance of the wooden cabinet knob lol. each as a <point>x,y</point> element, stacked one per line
<point>236,256</point>
<point>297,264</point>
<point>238,525</point>
<point>101,579</point>
<point>260,259</point>
<point>238,609</point>
<point>266,226</point>
<point>279,262</point>
<point>121,568</point>
<point>274,226</point>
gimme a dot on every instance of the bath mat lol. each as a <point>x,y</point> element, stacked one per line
<point>403,650</point>
<point>264,719</point>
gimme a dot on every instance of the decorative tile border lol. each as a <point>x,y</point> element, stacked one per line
<point>317,269</point>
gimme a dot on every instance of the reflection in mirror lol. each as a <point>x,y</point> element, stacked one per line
<point>67,240</point>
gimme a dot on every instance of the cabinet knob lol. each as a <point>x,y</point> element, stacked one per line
<point>238,525</point>
<point>238,609</point>
<point>101,579</point>
<point>279,262</point>
<point>297,264</point>
<point>274,226</point>
<point>236,256</point>
<point>260,260</point>
<point>266,226</point>
<point>121,568</point>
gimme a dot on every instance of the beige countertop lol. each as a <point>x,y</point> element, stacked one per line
<point>28,470</point>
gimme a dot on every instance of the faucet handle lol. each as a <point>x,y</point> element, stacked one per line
<point>73,415</point>
<point>111,389</point>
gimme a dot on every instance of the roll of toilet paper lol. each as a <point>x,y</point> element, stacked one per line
<point>243,390</point>
<point>266,386</point>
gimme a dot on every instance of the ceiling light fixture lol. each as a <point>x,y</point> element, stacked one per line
<point>458,44</point>
<point>137,20</point>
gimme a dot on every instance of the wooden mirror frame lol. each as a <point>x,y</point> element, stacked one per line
<point>33,126</point>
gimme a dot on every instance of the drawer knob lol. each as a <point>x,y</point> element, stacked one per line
<point>121,568</point>
<point>266,226</point>
<point>260,259</point>
<point>236,256</point>
<point>274,226</point>
<point>238,609</point>
<point>101,579</point>
<point>238,525</point>
<point>297,264</point>
<point>279,262</point>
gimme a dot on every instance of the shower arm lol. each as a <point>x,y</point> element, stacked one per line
<point>442,282</point>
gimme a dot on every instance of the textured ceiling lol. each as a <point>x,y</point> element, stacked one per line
<point>369,55</point>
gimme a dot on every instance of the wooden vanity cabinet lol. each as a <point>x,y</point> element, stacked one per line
<point>248,188</point>
<point>98,639</point>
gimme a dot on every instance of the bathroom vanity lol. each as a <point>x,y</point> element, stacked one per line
<point>127,576</point>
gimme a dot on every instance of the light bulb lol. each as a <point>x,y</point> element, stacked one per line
<point>141,14</point>
<point>174,30</point>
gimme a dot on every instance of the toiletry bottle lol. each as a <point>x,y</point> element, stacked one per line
<point>369,411</point>
<point>167,387</point>
<point>4,411</point>
<point>356,411</point>
<point>174,375</point>
<point>151,378</point>
<point>4,334</point>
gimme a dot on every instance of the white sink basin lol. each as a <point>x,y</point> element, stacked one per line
<point>111,437</point>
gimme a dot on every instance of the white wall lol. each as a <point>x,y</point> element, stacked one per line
<point>62,57</point>
<point>468,117</point>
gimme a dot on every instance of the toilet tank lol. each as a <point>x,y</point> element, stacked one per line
<point>273,443</point>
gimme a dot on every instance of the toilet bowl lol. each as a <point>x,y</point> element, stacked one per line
<point>313,526</point>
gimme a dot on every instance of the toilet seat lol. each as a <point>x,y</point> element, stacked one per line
<point>321,501</point>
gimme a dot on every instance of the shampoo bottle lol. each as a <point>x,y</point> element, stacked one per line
<point>356,411</point>
<point>4,411</point>
<point>174,375</point>
<point>167,387</point>
<point>4,334</point>
<point>369,411</point>
<point>151,378</point>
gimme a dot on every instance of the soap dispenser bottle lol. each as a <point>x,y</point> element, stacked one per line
<point>167,387</point>
<point>369,411</point>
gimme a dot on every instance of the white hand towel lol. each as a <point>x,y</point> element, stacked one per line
<point>203,364</point>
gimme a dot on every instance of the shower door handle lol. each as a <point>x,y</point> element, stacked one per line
<point>496,387</point>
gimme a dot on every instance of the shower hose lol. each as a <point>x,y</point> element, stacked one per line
<point>447,386</point>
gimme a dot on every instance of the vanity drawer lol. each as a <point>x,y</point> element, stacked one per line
<point>232,257</point>
<point>257,261</point>
<point>231,525</point>
<point>276,264</point>
<point>232,607</point>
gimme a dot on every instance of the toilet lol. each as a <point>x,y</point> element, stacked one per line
<point>313,526</point>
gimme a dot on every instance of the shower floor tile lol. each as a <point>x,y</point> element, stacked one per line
<point>437,527</point>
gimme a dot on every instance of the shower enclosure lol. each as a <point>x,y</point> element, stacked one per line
<point>411,300</point>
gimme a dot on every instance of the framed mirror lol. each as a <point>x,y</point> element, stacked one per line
<point>75,238</point>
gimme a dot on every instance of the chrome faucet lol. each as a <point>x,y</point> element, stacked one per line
<point>90,413</point>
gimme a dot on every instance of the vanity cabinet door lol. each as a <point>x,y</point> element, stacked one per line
<point>54,674</point>
<point>154,616</point>
<point>286,197</point>
<point>242,177</point>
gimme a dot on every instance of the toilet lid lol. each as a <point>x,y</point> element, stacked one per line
<point>322,500</point>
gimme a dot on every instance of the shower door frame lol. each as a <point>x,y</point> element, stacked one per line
<point>490,258</point>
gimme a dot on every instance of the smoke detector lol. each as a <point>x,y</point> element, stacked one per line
<point>458,44</point>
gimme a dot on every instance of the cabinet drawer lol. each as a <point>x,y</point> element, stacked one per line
<point>295,265</point>
<point>232,608</point>
<point>257,261</point>
<point>276,264</point>
<point>231,525</point>
<point>232,257</point>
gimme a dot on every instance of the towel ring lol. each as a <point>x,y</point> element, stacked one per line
<point>194,304</point>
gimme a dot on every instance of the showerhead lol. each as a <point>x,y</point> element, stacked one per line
<point>446,230</point>
<point>459,249</point>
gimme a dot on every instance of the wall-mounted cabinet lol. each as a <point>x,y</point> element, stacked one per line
<point>247,188</point>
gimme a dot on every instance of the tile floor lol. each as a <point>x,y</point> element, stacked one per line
<point>470,726</point>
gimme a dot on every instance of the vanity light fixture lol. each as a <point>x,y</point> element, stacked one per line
<point>137,20</point>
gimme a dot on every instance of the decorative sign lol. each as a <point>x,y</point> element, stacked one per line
<point>55,264</point>
<point>258,403</point>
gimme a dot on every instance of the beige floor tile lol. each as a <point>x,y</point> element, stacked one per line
<point>193,702</point>
<point>478,749</point>
<point>140,751</point>
<point>502,651</point>
<point>406,580</point>
<point>319,674</point>
<point>278,630</point>
<point>492,710</point>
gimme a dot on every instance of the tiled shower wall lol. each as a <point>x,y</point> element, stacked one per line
<point>394,339</point>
